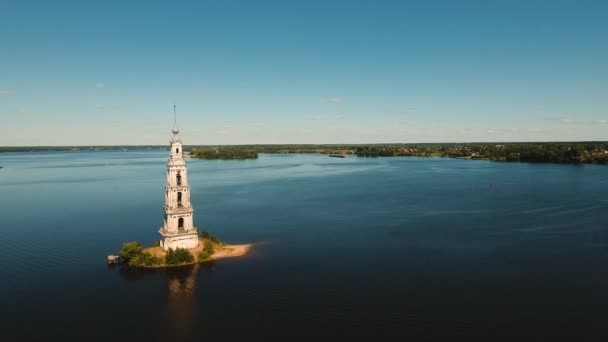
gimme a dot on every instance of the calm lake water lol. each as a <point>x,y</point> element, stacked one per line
<point>410,247</point>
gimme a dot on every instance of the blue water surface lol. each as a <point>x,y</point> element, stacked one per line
<point>352,247</point>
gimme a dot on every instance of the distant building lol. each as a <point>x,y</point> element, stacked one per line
<point>178,230</point>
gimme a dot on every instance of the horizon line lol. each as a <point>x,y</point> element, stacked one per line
<point>330,144</point>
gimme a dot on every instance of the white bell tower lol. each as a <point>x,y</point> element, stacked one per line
<point>178,230</point>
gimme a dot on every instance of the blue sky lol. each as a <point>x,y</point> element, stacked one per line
<point>84,73</point>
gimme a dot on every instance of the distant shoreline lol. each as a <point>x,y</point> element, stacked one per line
<point>559,153</point>
<point>31,148</point>
<point>589,152</point>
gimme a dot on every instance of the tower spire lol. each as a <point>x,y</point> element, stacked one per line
<point>175,130</point>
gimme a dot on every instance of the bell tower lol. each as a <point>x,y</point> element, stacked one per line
<point>178,230</point>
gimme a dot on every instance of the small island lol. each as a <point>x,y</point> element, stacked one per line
<point>180,243</point>
<point>209,248</point>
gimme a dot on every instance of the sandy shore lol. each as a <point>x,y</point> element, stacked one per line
<point>231,251</point>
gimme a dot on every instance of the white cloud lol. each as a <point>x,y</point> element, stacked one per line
<point>330,100</point>
<point>5,92</point>
<point>21,110</point>
<point>569,121</point>
<point>100,106</point>
<point>601,122</point>
<point>99,85</point>
<point>221,132</point>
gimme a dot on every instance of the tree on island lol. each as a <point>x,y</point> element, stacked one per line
<point>130,250</point>
<point>133,253</point>
<point>178,256</point>
<point>144,259</point>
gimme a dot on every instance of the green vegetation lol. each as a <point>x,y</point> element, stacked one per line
<point>130,250</point>
<point>250,149</point>
<point>549,152</point>
<point>205,235</point>
<point>204,255</point>
<point>210,242</point>
<point>178,256</point>
<point>135,255</point>
<point>144,259</point>
<point>542,152</point>
<point>209,247</point>
<point>224,153</point>
<point>571,153</point>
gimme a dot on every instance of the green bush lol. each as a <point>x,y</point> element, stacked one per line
<point>209,247</point>
<point>144,259</point>
<point>178,256</point>
<point>156,243</point>
<point>204,255</point>
<point>130,250</point>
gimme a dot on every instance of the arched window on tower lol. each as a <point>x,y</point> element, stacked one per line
<point>180,223</point>
<point>179,179</point>
<point>177,150</point>
<point>179,199</point>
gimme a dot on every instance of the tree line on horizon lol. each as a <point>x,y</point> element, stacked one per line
<point>542,152</point>
<point>570,153</point>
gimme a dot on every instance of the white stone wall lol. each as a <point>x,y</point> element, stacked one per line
<point>176,149</point>
<point>182,241</point>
